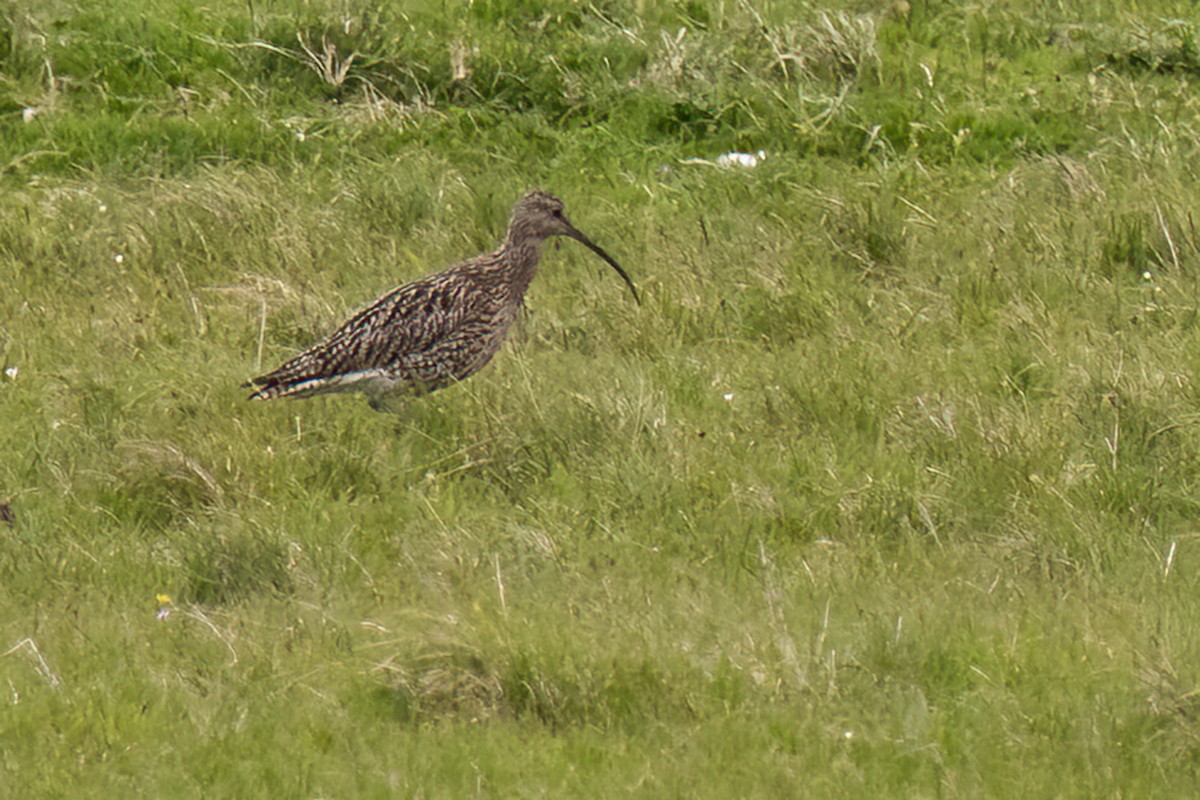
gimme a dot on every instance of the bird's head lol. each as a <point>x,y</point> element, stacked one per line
<point>539,216</point>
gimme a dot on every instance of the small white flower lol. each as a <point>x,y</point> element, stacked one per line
<point>11,373</point>
<point>119,258</point>
<point>102,208</point>
<point>848,735</point>
<point>29,113</point>
<point>728,396</point>
<point>300,136</point>
<point>1147,276</point>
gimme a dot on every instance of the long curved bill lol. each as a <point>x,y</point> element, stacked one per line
<point>595,248</point>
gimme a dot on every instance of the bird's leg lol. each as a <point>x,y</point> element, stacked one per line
<point>389,403</point>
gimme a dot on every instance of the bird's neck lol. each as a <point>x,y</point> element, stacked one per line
<point>519,259</point>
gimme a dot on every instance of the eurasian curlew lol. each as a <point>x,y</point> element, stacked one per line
<point>435,331</point>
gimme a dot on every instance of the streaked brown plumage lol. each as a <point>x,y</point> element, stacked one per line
<point>435,331</point>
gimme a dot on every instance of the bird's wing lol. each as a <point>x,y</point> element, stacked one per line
<point>408,324</point>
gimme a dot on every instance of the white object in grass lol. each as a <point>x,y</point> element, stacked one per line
<point>736,159</point>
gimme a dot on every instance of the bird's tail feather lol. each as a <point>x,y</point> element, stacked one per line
<point>270,387</point>
<point>274,390</point>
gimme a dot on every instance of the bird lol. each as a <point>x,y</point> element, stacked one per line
<point>436,331</point>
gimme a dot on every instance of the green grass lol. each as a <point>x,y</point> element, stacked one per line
<point>889,487</point>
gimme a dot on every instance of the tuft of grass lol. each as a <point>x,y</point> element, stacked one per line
<point>230,567</point>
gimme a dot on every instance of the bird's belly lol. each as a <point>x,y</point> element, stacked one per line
<point>455,357</point>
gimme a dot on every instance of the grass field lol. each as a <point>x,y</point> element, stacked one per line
<point>889,489</point>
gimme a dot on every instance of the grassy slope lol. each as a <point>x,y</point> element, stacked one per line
<point>888,488</point>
